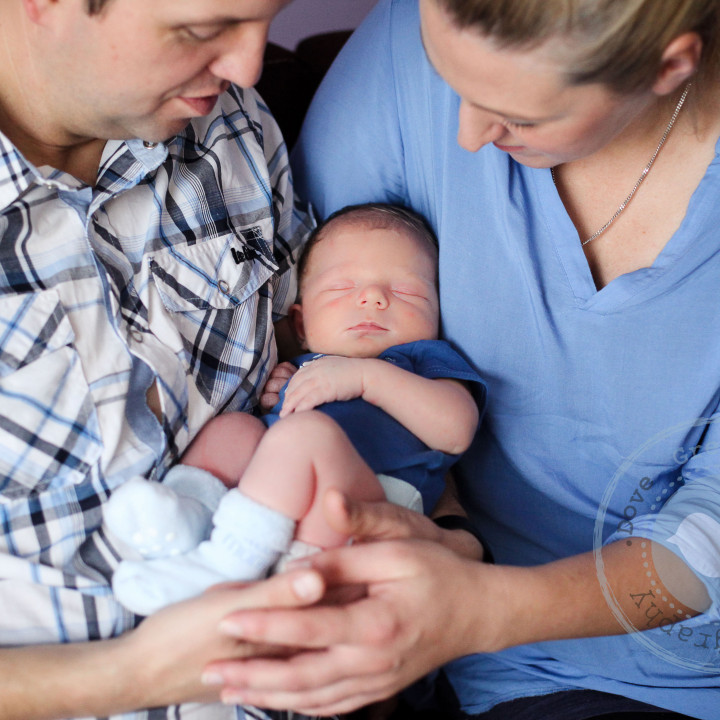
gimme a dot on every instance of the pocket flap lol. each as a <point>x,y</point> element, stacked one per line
<point>31,324</point>
<point>218,273</point>
<point>49,431</point>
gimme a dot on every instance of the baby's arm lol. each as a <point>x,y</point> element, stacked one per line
<point>441,412</point>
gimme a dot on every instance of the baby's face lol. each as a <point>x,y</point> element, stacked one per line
<point>366,290</point>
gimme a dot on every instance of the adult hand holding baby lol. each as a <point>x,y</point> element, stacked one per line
<point>351,649</point>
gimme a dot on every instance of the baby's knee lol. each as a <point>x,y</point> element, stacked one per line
<point>311,426</point>
<point>231,425</point>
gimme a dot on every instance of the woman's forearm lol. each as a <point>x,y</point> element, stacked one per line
<point>586,596</point>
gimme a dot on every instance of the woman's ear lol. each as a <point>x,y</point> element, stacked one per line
<point>295,314</point>
<point>679,63</point>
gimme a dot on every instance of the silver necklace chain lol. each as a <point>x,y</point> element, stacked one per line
<point>643,174</point>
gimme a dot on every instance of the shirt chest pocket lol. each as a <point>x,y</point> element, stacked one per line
<point>49,431</point>
<point>215,294</point>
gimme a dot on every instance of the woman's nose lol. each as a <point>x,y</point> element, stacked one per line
<point>477,127</point>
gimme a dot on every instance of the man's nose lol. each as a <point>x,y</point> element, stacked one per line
<point>241,58</point>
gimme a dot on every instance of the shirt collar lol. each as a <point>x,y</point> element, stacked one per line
<point>18,175</point>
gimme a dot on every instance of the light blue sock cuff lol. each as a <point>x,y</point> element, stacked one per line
<point>239,514</point>
<point>197,484</point>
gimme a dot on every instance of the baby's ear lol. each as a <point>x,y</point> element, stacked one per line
<point>295,313</point>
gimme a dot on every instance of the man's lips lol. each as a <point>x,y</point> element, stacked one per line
<point>201,105</point>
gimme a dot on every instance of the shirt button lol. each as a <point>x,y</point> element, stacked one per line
<point>224,287</point>
<point>136,335</point>
<point>149,145</point>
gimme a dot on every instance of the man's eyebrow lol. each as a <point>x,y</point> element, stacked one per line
<point>219,20</point>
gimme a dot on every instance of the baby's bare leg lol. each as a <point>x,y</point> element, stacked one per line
<point>300,458</point>
<point>225,445</point>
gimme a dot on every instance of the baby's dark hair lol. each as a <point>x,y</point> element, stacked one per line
<point>373,216</point>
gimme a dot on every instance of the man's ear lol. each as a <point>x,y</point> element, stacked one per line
<point>679,63</point>
<point>295,314</point>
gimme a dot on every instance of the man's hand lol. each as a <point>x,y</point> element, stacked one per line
<point>175,644</point>
<point>278,377</point>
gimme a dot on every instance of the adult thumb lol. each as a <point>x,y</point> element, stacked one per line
<point>368,521</point>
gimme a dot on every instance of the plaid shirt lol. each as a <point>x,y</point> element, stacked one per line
<point>169,272</point>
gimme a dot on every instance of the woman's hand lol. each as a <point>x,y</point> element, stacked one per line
<point>159,663</point>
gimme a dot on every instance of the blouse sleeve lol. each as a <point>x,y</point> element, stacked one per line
<point>687,521</point>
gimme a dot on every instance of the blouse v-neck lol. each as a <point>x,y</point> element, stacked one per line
<point>683,252</point>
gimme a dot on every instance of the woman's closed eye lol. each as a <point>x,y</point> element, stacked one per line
<point>520,124</point>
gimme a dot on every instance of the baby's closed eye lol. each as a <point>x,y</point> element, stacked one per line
<point>410,292</point>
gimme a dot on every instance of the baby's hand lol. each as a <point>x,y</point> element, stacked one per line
<point>271,392</point>
<point>325,380</point>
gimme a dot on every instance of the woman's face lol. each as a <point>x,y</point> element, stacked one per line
<point>518,99</point>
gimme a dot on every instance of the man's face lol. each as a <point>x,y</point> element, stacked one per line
<point>144,69</point>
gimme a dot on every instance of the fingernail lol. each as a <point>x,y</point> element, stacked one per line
<point>233,628</point>
<point>307,586</point>
<point>212,678</point>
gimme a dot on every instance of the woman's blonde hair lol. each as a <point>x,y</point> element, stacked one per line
<point>618,43</point>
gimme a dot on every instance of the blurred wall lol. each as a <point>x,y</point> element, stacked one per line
<point>309,17</point>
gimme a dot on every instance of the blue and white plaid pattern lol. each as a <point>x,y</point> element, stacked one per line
<point>169,273</point>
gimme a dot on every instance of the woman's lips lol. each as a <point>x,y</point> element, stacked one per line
<point>509,148</point>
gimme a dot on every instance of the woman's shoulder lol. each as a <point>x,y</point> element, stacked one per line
<point>392,29</point>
